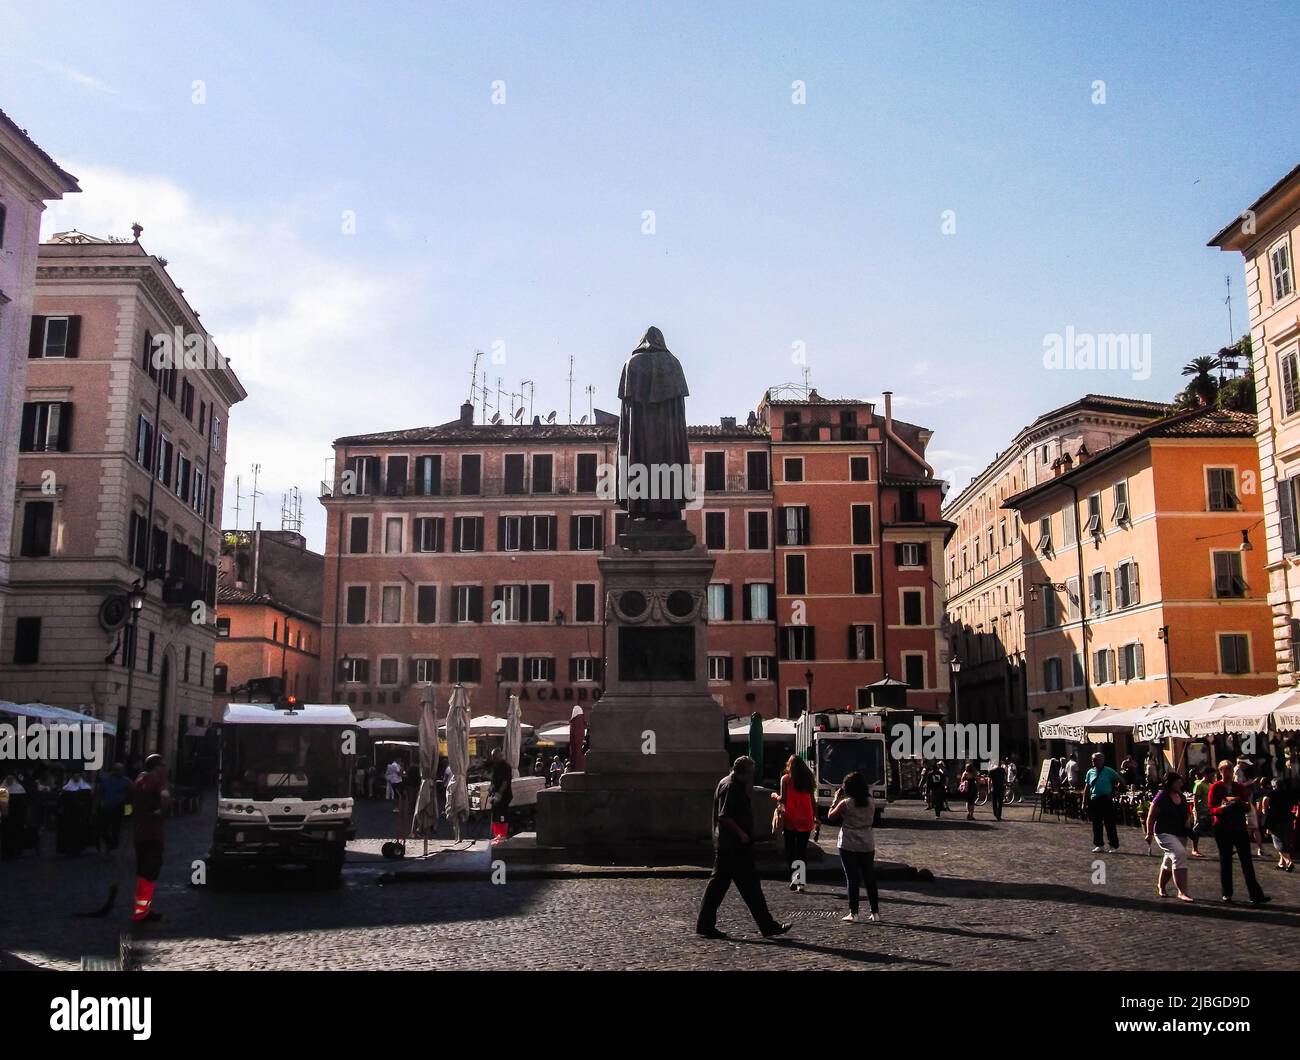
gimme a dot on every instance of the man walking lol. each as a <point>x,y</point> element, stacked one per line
<point>150,800</point>
<point>733,841</point>
<point>1234,824</point>
<point>111,792</point>
<point>1101,782</point>
<point>997,788</point>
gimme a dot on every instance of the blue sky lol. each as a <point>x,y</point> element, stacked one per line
<point>775,224</point>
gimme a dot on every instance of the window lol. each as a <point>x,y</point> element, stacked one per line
<point>359,534</point>
<point>914,671</point>
<point>54,336</point>
<point>469,603</point>
<point>388,670</point>
<point>1126,584</point>
<point>513,474</point>
<point>354,671</point>
<point>510,533</point>
<point>757,530</point>
<point>757,605</point>
<point>467,533</point>
<point>428,475</point>
<point>1121,511</point>
<point>1073,601</point>
<point>543,534</point>
<point>1093,523</point>
<point>913,607</point>
<point>539,603</point>
<point>863,574</point>
<point>165,453</point>
<point>862,642</point>
<point>798,643</point>
<point>1099,597</point>
<point>471,472</point>
<point>137,541</point>
<point>143,441</point>
<point>758,668</point>
<point>424,671</point>
<point>1290,363</point>
<point>361,476</point>
<point>1051,609</point>
<point>1286,501</point>
<point>719,596</point>
<point>1051,675</point>
<point>587,473</point>
<point>46,427</point>
<point>1067,526</point>
<point>910,554</point>
<point>1131,662</point>
<point>756,477</point>
<point>509,668</point>
<point>1077,669</point>
<point>1045,535</point>
<point>184,471</point>
<point>215,440</point>
<point>187,399</point>
<point>356,605</point>
<point>583,669</point>
<point>395,477</point>
<point>1221,489</point>
<point>465,671</point>
<point>426,535</point>
<point>196,494</point>
<point>390,601</point>
<point>794,525</point>
<point>794,469</point>
<point>203,415</point>
<point>543,466</point>
<point>510,603</point>
<point>540,668</point>
<point>220,672</point>
<point>859,468</point>
<point>1234,653</point>
<point>1279,259</point>
<point>861,524</point>
<point>796,702</point>
<point>3,214</point>
<point>584,602</point>
<point>223,627</point>
<point>719,667</point>
<point>715,531</point>
<point>715,472</point>
<point>586,530</point>
<point>1103,666</point>
<point>1228,580</point>
<point>393,534</point>
<point>795,575</point>
<point>27,641</point>
<point>38,528</point>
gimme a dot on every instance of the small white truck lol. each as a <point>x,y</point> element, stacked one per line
<point>837,743</point>
<point>523,801</point>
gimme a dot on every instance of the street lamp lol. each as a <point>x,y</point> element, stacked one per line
<point>955,665</point>
<point>135,597</point>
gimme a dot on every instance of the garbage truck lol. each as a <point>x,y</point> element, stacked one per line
<point>837,743</point>
<point>284,792</point>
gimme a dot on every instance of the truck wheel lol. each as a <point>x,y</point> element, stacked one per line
<point>879,816</point>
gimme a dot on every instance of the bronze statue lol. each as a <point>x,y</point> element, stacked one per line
<point>655,477</point>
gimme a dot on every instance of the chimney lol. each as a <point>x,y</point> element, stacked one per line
<point>889,409</point>
<point>729,422</point>
<point>467,414</point>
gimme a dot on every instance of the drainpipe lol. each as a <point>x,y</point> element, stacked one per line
<point>891,436</point>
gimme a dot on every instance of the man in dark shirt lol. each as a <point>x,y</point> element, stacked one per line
<point>112,793</point>
<point>150,799</point>
<point>997,788</point>
<point>1234,823</point>
<point>733,831</point>
<point>501,795</point>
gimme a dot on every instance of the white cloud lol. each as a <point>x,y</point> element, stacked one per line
<point>77,77</point>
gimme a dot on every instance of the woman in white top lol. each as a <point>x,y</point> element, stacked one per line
<point>855,812</point>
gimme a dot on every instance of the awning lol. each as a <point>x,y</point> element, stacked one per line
<point>1073,727</point>
<point>46,713</point>
<point>1176,720</point>
<point>387,726</point>
<point>556,733</point>
<point>1122,720</point>
<point>1250,714</point>
<point>773,729</point>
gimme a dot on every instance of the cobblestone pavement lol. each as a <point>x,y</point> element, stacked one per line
<point>1012,895</point>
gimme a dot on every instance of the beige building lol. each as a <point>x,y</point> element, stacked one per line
<point>1143,582</point>
<point>983,562</point>
<point>120,471</point>
<point>28,179</point>
<point>1265,235</point>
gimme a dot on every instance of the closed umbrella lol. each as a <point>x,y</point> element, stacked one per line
<point>756,744</point>
<point>577,730</point>
<point>425,820</point>
<point>457,809</point>
<point>513,745</point>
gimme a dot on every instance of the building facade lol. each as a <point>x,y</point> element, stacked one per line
<point>120,474</point>
<point>859,537</point>
<point>983,564</point>
<point>268,617</point>
<point>1143,582</point>
<point>1266,235</point>
<point>28,179</point>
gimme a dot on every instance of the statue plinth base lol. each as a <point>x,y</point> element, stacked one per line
<point>644,534</point>
<point>658,739</point>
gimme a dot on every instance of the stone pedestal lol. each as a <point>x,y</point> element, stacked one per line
<point>658,739</point>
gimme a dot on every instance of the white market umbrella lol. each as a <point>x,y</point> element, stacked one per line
<point>425,820</point>
<point>1176,720</point>
<point>1122,720</point>
<point>1073,727</point>
<point>1251,714</point>
<point>513,744</point>
<point>556,733</point>
<point>772,727</point>
<point>457,808</point>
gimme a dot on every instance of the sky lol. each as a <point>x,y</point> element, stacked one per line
<point>908,197</point>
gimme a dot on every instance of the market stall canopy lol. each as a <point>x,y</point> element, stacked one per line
<point>1250,714</point>
<point>46,713</point>
<point>557,733</point>
<point>1122,720</point>
<point>387,727</point>
<point>1176,720</point>
<point>1073,727</point>
<point>485,723</point>
<point>773,728</point>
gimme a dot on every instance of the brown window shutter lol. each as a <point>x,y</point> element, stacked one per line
<point>37,337</point>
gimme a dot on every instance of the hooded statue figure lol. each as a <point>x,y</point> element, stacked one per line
<point>654,457</point>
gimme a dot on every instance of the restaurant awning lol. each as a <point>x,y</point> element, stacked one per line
<point>773,729</point>
<point>1122,720</point>
<point>1176,720</point>
<point>1249,714</point>
<point>1074,726</point>
<point>45,713</point>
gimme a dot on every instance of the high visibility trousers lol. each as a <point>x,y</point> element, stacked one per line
<point>148,864</point>
<point>143,898</point>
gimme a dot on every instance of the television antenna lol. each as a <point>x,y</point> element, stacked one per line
<point>257,470</point>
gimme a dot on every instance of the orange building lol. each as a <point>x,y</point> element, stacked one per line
<point>1144,570</point>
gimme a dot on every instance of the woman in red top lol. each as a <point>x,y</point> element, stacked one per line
<point>795,807</point>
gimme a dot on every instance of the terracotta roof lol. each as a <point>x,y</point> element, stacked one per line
<point>231,595</point>
<point>455,431</point>
<point>1194,423</point>
<point>1106,403</point>
<point>68,178</point>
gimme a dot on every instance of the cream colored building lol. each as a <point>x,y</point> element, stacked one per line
<point>1266,235</point>
<point>120,475</point>
<point>983,563</point>
<point>28,179</point>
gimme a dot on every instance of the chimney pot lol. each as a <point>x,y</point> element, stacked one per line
<point>467,414</point>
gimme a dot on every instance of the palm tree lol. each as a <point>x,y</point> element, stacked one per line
<point>1203,387</point>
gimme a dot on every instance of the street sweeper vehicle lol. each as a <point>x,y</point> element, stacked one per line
<point>837,743</point>
<point>285,788</point>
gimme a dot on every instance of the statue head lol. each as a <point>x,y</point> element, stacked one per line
<point>653,339</point>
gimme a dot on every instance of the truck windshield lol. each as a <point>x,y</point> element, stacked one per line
<point>836,759</point>
<point>274,761</point>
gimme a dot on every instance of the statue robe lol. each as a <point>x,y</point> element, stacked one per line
<point>652,428</point>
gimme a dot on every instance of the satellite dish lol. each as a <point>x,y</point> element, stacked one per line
<point>519,413</point>
<point>583,420</point>
<point>496,417</point>
<point>550,417</point>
